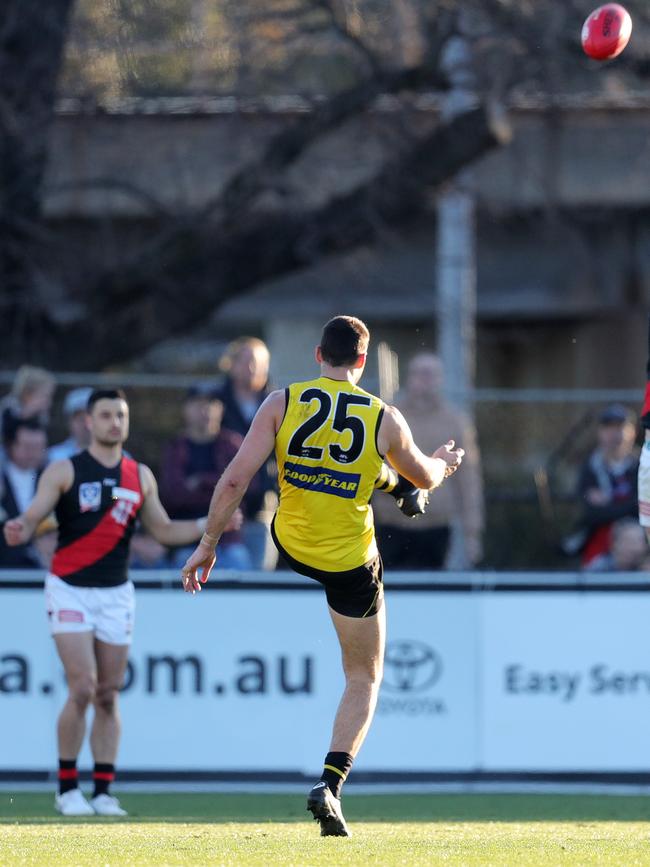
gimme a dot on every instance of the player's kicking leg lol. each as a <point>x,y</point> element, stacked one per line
<point>77,655</point>
<point>362,647</point>
<point>410,500</point>
<point>105,734</point>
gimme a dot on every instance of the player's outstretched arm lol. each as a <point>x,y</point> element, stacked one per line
<point>56,479</point>
<point>231,487</point>
<point>157,522</point>
<point>424,471</point>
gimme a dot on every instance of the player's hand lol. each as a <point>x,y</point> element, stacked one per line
<point>202,560</point>
<point>15,532</point>
<point>453,457</point>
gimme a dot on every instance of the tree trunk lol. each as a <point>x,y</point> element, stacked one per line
<point>32,39</point>
<point>178,279</point>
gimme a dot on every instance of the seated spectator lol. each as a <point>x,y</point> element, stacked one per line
<point>74,409</point>
<point>25,445</point>
<point>30,397</point>
<point>146,553</point>
<point>424,542</point>
<point>191,466</point>
<point>629,549</point>
<point>607,484</point>
<point>246,364</point>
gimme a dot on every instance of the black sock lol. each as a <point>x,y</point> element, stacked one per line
<point>337,767</point>
<point>68,775</point>
<point>103,776</point>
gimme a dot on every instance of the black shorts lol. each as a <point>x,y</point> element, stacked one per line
<point>355,593</point>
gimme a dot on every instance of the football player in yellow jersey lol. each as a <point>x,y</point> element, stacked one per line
<point>330,438</point>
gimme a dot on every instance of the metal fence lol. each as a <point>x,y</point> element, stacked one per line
<point>532,444</point>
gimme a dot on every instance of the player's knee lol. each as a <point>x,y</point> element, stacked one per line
<point>365,674</point>
<point>377,675</point>
<point>106,697</point>
<point>82,690</point>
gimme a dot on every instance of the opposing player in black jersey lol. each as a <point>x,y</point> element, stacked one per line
<point>97,496</point>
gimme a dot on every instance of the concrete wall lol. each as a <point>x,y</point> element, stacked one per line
<point>566,157</point>
<point>562,279</point>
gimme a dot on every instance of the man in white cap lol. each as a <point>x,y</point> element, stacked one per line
<point>74,408</point>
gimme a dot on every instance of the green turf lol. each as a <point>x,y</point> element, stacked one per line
<point>184,829</point>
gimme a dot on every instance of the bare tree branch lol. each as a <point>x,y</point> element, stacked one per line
<point>340,26</point>
<point>203,269</point>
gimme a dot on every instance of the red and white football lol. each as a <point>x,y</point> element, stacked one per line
<point>606,31</point>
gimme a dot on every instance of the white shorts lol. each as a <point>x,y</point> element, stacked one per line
<point>644,485</point>
<point>109,612</point>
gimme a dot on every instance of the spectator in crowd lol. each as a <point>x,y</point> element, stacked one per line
<point>629,549</point>
<point>25,445</point>
<point>74,409</point>
<point>246,364</point>
<point>146,552</point>
<point>424,542</point>
<point>30,397</point>
<point>191,466</point>
<point>607,484</point>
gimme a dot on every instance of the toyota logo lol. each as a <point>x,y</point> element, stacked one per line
<point>410,666</point>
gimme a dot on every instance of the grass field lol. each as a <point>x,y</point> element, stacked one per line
<point>388,830</point>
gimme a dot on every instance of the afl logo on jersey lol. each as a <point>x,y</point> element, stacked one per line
<point>90,496</point>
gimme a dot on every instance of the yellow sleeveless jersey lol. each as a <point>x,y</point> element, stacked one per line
<point>328,462</point>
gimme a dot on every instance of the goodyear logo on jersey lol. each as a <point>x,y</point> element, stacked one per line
<point>323,480</point>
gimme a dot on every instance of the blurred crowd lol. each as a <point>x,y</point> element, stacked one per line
<point>214,419</point>
<point>214,416</point>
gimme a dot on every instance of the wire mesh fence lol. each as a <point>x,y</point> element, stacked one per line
<point>532,444</point>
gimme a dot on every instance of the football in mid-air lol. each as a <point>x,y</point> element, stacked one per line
<point>606,31</point>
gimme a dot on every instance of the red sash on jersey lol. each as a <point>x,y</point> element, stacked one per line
<point>101,540</point>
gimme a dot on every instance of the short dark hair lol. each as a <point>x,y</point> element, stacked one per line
<point>203,391</point>
<point>104,394</point>
<point>14,425</point>
<point>344,339</point>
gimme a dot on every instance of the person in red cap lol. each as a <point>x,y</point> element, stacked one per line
<point>607,483</point>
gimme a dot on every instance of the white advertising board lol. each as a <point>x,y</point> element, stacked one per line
<point>31,684</point>
<point>248,680</point>
<point>566,681</point>
<point>426,717</point>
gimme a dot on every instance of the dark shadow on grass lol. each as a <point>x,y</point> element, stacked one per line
<point>262,809</point>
